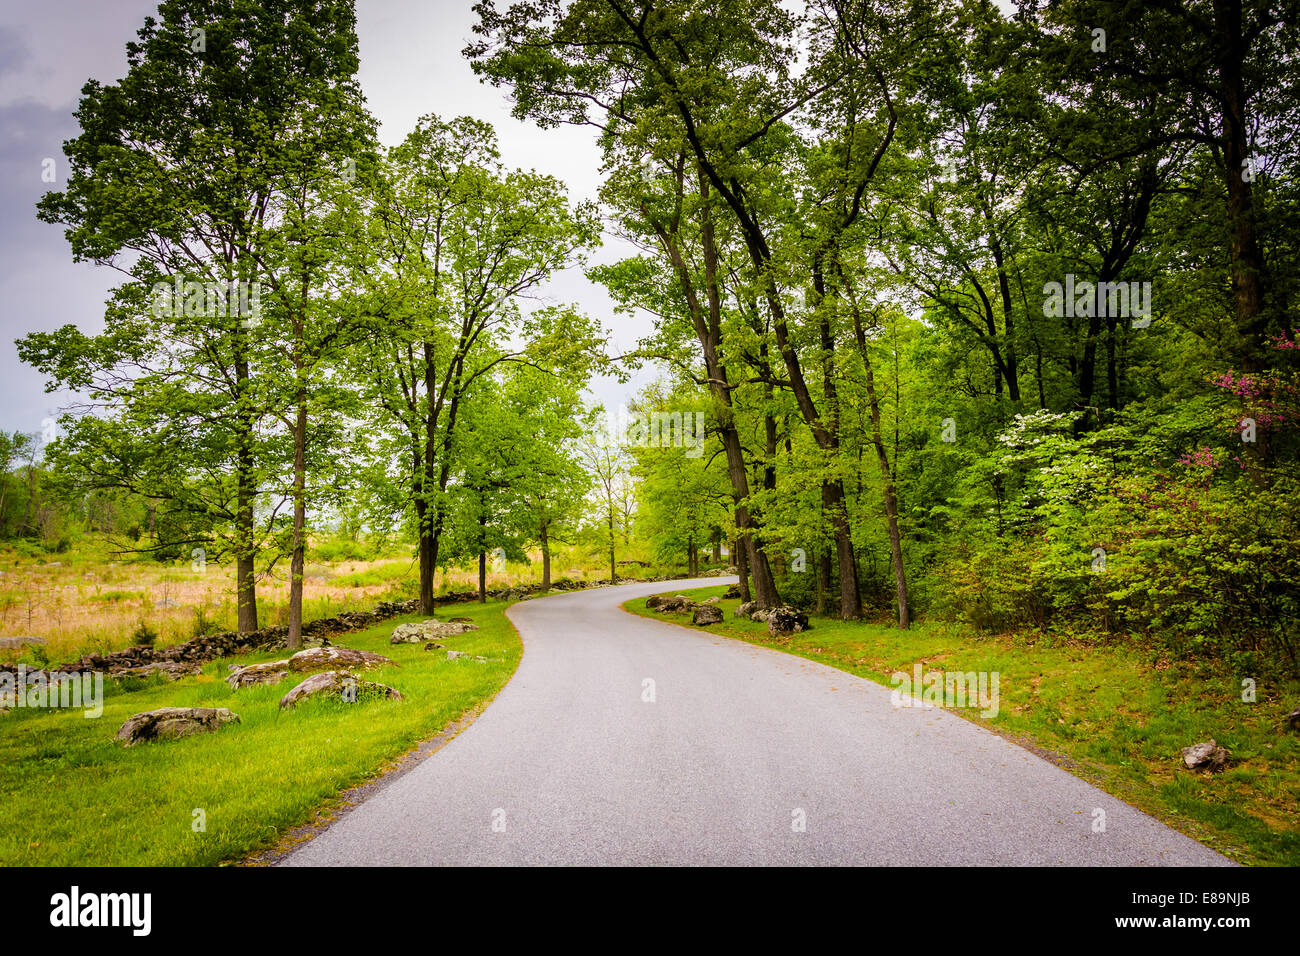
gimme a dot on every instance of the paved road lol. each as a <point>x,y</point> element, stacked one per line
<point>570,765</point>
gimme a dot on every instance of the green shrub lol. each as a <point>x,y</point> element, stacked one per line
<point>144,634</point>
<point>1200,555</point>
<point>993,587</point>
<point>204,624</point>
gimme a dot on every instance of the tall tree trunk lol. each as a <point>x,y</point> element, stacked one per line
<point>297,561</point>
<point>545,538</point>
<point>742,566</point>
<point>1248,268</point>
<point>245,494</point>
<point>761,256</point>
<point>428,561</point>
<point>430,531</point>
<point>424,536</point>
<point>1011,369</point>
<point>482,552</point>
<point>1038,374</point>
<point>823,578</point>
<point>708,330</point>
<point>1112,368</point>
<point>613,568</point>
<point>887,476</point>
<point>833,498</point>
<point>1087,380</point>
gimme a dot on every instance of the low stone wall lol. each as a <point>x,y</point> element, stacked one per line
<point>231,643</point>
<point>209,647</point>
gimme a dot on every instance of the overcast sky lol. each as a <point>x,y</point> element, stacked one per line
<point>411,64</point>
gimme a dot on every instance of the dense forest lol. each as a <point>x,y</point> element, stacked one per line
<point>987,317</point>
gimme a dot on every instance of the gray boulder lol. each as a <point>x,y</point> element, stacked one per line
<point>707,614</point>
<point>745,610</point>
<point>171,670</point>
<point>268,672</point>
<point>169,723</point>
<point>337,683</point>
<point>1205,756</point>
<point>321,658</point>
<point>785,620</point>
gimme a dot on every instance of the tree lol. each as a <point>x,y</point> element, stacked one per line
<point>1224,73</point>
<point>551,480</point>
<point>683,498</point>
<point>457,240</point>
<point>224,109</point>
<point>314,318</point>
<point>606,461</point>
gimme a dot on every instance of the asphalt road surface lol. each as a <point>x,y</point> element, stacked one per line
<point>734,754</point>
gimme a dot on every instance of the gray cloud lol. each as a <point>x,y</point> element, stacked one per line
<point>14,54</point>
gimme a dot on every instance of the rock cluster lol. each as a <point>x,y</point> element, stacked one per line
<point>421,632</point>
<point>703,614</point>
<point>670,605</point>
<point>781,620</point>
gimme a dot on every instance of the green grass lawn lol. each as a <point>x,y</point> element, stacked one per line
<point>1119,716</point>
<point>71,796</point>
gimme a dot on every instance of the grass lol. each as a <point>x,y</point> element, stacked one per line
<point>71,796</point>
<point>1118,716</point>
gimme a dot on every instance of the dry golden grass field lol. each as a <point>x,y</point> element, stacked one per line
<point>90,600</point>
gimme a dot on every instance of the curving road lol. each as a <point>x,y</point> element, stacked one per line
<point>570,765</point>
